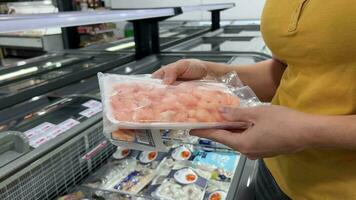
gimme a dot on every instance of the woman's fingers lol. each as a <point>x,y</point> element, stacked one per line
<point>239,114</point>
<point>187,69</point>
<point>170,75</point>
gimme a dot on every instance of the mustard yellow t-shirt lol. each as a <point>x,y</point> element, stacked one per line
<point>317,40</point>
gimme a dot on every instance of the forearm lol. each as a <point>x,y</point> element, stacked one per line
<point>332,132</point>
<point>263,77</point>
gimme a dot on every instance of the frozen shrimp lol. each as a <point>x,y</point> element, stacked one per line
<point>185,102</point>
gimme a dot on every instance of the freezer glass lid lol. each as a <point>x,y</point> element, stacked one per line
<point>152,65</point>
<point>243,33</point>
<point>42,78</point>
<point>115,46</point>
<point>222,45</point>
<point>129,46</point>
<point>181,32</point>
<point>206,23</point>
<point>39,67</point>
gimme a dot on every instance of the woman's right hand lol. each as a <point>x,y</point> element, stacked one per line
<point>187,69</point>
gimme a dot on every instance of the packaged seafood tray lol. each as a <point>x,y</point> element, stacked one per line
<point>137,110</point>
<point>183,173</point>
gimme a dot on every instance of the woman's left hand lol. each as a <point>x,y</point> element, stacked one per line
<point>275,130</point>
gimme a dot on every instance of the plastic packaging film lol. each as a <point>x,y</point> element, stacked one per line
<point>137,109</point>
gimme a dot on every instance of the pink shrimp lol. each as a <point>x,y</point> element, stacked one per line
<point>143,115</point>
<point>185,102</point>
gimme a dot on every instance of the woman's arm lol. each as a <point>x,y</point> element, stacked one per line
<point>279,130</point>
<point>334,132</point>
<point>263,77</point>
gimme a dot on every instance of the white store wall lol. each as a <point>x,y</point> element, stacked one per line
<point>245,9</point>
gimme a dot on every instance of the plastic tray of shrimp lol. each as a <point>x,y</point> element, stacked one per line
<point>137,109</point>
<point>140,102</point>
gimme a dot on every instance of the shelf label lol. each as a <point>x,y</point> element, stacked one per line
<point>92,104</point>
<point>38,141</point>
<point>38,130</point>
<point>90,112</point>
<point>68,124</point>
<point>47,131</point>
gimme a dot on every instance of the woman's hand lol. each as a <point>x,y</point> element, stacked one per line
<point>275,130</point>
<point>188,69</point>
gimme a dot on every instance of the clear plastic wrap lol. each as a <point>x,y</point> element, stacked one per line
<point>138,109</point>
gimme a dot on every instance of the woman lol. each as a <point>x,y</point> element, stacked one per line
<point>307,139</point>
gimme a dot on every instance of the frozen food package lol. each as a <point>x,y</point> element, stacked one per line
<point>128,175</point>
<point>136,109</point>
<point>184,183</point>
<point>132,102</point>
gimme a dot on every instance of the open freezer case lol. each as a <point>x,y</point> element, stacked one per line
<point>54,71</point>
<point>48,145</point>
<point>186,172</point>
<point>62,143</point>
<point>129,176</point>
<point>168,38</point>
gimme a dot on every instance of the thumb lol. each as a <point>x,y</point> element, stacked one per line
<point>239,114</point>
<point>222,136</point>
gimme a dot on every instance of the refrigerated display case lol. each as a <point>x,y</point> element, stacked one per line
<point>59,136</point>
<point>56,70</point>
<point>212,173</point>
<point>168,38</point>
<point>148,65</point>
<point>66,158</point>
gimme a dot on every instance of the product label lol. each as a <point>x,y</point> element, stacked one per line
<point>53,132</point>
<point>38,141</point>
<point>90,112</point>
<point>47,131</point>
<point>223,160</point>
<point>142,140</point>
<point>67,124</point>
<point>30,133</point>
<point>92,104</point>
<point>38,130</point>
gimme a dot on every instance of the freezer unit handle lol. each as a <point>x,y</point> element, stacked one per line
<point>12,145</point>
